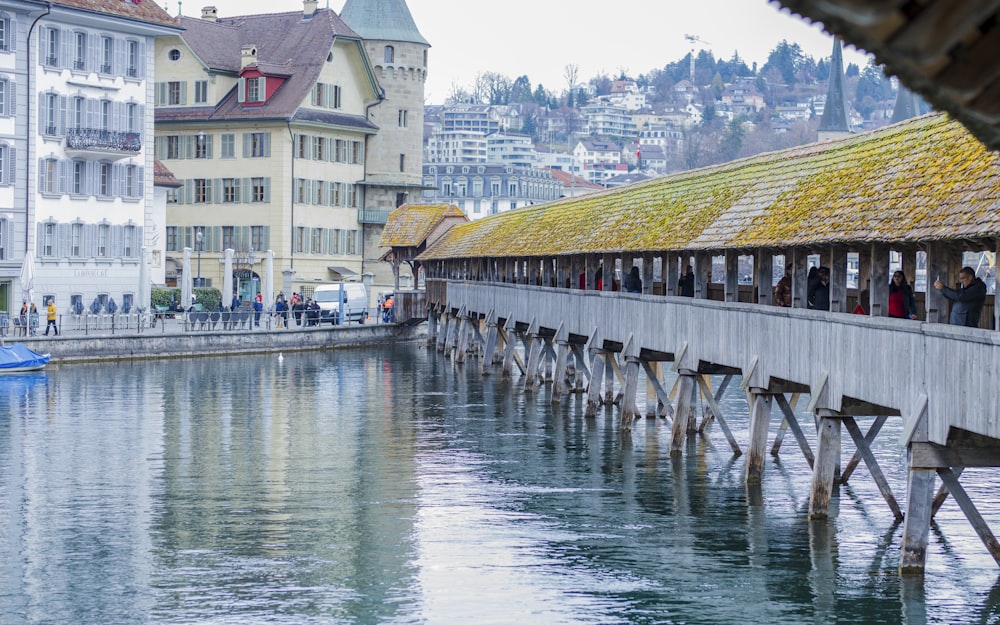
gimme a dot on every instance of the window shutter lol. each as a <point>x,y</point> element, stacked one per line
<point>41,174</point>
<point>140,184</point>
<point>246,145</point>
<point>66,48</point>
<point>63,236</point>
<point>188,151</point>
<point>12,43</point>
<point>61,116</point>
<point>267,144</point>
<point>262,92</point>
<point>209,184</point>
<point>117,241</point>
<point>160,147</point>
<point>140,60</point>
<point>248,194</point>
<point>267,190</point>
<point>94,52</point>
<point>10,154</point>
<point>188,191</point>
<point>43,45</point>
<point>11,104</point>
<point>241,90</point>
<point>208,146</point>
<point>64,172</point>
<point>184,92</point>
<point>161,94</point>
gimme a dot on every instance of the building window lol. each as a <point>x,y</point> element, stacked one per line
<point>228,145</point>
<point>201,191</point>
<point>79,176</point>
<point>5,34</point>
<point>259,192</point>
<point>389,54</point>
<point>319,94</point>
<point>105,114</point>
<point>173,146</point>
<point>200,91</point>
<point>172,239</point>
<point>174,93</point>
<point>173,197</point>
<point>253,90</point>
<point>336,97</point>
<point>319,149</point>
<point>131,181</point>
<point>104,180</point>
<point>257,237</point>
<point>132,54</point>
<point>318,188</point>
<point>228,237</point>
<point>201,145</point>
<point>103,231</point>
<point>402,118</point>
<point>132,117</point>
<point>357,152</point>
<point>51,46</point>
<point>303,146</point>
<point>174,54</point>
<point>317,240</point>
<point>51,113</point>
<point>49,239</point>
<point>402,162</point>
<point>300,239</point>
<point>258,144</point>
<point>300,190</point>
<point>3,96</point>
<point>3,239</point>
<point>50,176</point>
<point>230,190</point>
<point>80,51</point>
<point>107,53</point>
<point>76,240</point>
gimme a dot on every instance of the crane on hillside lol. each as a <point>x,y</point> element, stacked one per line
<point>694,39</point>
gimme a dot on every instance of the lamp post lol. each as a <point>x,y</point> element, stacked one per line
<point>250,290</point>
<point>199,238</point>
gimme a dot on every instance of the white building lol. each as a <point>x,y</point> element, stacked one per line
<point>511,149</point>
<point>80,191</point>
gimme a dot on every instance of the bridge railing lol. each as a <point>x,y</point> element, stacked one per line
<point>892,363</point>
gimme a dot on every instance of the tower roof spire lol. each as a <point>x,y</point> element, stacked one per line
<point>382,20</point>
<point>835,117</point>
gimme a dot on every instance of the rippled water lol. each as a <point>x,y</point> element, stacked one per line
<point>392,486</point>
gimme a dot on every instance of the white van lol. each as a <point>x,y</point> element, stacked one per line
<point>355,302</point>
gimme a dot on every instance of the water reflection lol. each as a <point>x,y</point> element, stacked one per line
<point>391,486</point>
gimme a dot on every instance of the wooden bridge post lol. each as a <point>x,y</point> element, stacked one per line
<point>938,266</point>
<point>702,274</point>
<point>919,493</point>
<point>610,362</point>
<point>534,357</point>
<point>760,418</point>
<point>562,355</point>
<point>878,301</point>
<point>445,323</point>
<point>825,465</point>
<point>432,324</point>
<point>838,279</point>
<point>630,354</point>
<point>670,273</point>
<point>597,366</point>
<point>653,374</point>
<point>647,274</point>
<point>684,415</point>
<point>800,271</point>
<point>510,347</point>
<point>763,268</point>
<point>492,336</point>
<point>731,282</point>
<point>462,340</point>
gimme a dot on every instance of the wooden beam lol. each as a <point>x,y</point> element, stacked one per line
<point>969,508</point>
<point>933,456</point>
<point>869,438</point>
<point>706,393</point>
<point>862,444</point>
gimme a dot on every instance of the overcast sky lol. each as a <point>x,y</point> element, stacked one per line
<point>540,38</point>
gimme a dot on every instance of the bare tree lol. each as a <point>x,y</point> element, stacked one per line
<point>572,75</point>
<point>492,88</point>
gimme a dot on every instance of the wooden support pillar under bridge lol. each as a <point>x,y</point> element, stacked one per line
<point>835,427</point>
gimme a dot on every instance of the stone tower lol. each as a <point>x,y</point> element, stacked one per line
<point>394,156</point>
<point>835,121</point>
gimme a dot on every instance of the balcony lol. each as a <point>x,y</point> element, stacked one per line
<point>102,143</point>
<point>372,216</point>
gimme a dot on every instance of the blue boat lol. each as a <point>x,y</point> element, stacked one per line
<point>17,358</point>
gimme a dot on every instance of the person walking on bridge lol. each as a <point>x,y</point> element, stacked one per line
<point>902,303</point>
<point>967,299</point>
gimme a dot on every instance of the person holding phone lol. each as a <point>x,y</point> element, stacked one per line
<point>967,299</point>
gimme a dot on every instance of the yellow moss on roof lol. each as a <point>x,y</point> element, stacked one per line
<point>410,224</point>
<point>924,179</point>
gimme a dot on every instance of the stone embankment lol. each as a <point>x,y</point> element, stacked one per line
<point>76,347</point>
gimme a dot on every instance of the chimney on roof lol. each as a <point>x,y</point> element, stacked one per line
<point>248,55</point>
<point>309,7</point>
<point>210,13</point>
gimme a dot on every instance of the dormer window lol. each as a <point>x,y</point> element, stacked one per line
<point>253,90</point>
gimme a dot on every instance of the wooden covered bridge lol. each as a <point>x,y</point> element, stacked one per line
<point>508,289</point>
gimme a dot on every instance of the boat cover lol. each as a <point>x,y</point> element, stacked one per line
<point>17,356</point>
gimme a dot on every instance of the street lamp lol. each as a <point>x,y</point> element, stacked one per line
<point>199,238</point>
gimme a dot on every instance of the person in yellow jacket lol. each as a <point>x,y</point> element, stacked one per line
<point>50,317</point>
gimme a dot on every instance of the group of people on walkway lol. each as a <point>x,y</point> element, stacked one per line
<point>968,298</point>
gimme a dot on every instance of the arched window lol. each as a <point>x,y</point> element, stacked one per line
<point>390,54</point>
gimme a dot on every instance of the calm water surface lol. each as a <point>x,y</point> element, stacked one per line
<point>392,486</point>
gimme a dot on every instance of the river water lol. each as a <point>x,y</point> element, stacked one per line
<point>389,485</point>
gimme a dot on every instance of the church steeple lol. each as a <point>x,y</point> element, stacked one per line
<point>835,121</point>
<point>382,20</point>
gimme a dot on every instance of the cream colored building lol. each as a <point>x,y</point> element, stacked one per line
<point>264,120</point>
